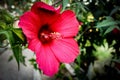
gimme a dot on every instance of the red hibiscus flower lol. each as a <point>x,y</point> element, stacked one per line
<point>116,31</point>
<point>50,34</point>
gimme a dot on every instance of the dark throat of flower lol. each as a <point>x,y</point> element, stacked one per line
<point>46,35</point>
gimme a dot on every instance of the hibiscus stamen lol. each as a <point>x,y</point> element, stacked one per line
<point>56,35</point>
<point>46,37</point>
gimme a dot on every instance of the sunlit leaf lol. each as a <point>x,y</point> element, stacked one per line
<point>19,33</point>
<point>78,59</point>
<point>2,25</point>
<point>103,52</point>
<point>47,1</point>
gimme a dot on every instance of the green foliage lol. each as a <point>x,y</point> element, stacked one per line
<point>15,46</point>
<point>103,52</point>
<point>14,36</point>
<point>65,3</point>
<point>108,24</point>
<point>19,34</point>
<point>33,62</point>
<point>5,17</point>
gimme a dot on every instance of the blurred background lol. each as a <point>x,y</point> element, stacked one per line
<point>98,40</point>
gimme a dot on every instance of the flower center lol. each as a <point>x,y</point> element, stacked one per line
<point>46,35</point>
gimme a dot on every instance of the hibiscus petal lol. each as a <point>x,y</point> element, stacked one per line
<point>41,5</point>
<point>46,60</point>
<point>31,18</point>
<point>29,32</point>
<point>66,24</point>
<point>32,43</point>
<point>30,24</point>
<point>47,13</point>
<point>66,50</point>
<point>58,9</point>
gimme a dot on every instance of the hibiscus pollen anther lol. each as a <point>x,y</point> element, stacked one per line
<point>56,35</point>
<point>48,37</point>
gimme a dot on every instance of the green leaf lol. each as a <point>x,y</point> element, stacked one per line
<point>5,16</point>
<point>65,2</point>
<point>3,39</point>
<point>103,52</point>
<point>32,60</point>
<point>48,1</point>
<point>2,32</point>
<point>19,33</point>
<point>35,66</point>
<point>10,58</point>
<point>17,51</point>
<point>114,10</point>
<point>16,48</point>
<point>2,25</point>
<point>107,22</point>
<point>109,29</point>
<point>78,59</point>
